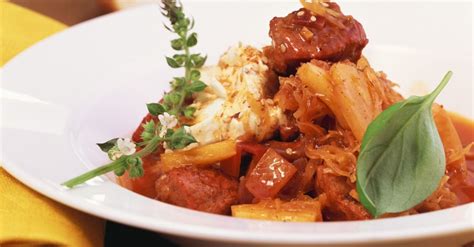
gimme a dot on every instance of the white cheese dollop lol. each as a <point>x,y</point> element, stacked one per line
<point>234,105</point>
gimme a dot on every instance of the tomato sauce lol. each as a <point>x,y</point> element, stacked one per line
<point>465,129</point>
<point>145,184</point>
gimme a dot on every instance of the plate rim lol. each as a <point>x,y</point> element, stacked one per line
<point>111,214</point>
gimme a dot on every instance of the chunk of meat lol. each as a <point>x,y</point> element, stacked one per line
<point>442,198</point>
<point>206,190</point>
<point>339,205</point>
<point>302,182</point>
<point>294,187</point>
<point>304,35</point>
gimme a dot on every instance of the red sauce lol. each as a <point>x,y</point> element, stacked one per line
<point>145,184</point>
<point>465,129</point>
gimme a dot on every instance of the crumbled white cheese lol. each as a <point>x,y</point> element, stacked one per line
<point>233,104</point>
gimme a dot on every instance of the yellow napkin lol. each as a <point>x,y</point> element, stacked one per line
<point>26,217</point>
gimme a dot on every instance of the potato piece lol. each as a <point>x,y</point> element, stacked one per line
<point>339,203</point>
<point>298,210</point>
<point>253,211</point>
<point>202,156</point>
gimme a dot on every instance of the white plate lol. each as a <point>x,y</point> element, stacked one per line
<point>91,82</point>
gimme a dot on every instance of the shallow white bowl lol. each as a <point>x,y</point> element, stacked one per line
<point>91,82</point>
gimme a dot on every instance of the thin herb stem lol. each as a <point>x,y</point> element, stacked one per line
<point>148,149</point>
<point>173,103</point>
<point>94,173</point>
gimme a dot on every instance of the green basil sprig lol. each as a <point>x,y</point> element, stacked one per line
<point>167,132</point>
<point>402,159</point>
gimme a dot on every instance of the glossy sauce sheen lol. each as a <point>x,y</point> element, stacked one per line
<point>465,129</point>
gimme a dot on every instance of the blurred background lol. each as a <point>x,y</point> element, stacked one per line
<point>71,12</point>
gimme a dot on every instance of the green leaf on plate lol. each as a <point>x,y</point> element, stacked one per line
<point>155,109</point>
<point>196,86</point>
<point>189,112</point>
<point>180,139</point>
<point>402,160</point>
<point>172,63</point>
<point>106,146</point>
<point>192,40</point>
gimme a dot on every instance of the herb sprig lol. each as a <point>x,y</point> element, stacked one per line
<point>402,159</point>
<point>183,87</point>
<point>167,131</point>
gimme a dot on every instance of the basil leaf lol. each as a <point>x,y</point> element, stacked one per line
<point>172,98</point>
<point>180,58</point>
<point>196,86</point>
<point>192,40</point>
<point>119,171</point>
<point>169,133</point>
<point>148,131</point>
<point>177,44</point>
<point>195,75</point>
<point>402,159</point>
<point>155,109</point>
<point>136,167</point>
<point>180,139</point>
<point>172,63</point>
<point>189,111</point>
<point>198,60</point>
<point>191,25</point>
<point>106,146</point>
<point>178,82</point>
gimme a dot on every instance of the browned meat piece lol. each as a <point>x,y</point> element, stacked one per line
<point>304,35</point>
<point>340,205</point>
<point>206,190</point>
<point>442,198</point>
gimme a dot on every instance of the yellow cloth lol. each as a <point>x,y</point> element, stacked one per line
<point>20,28</point>
<point>26,217</point>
